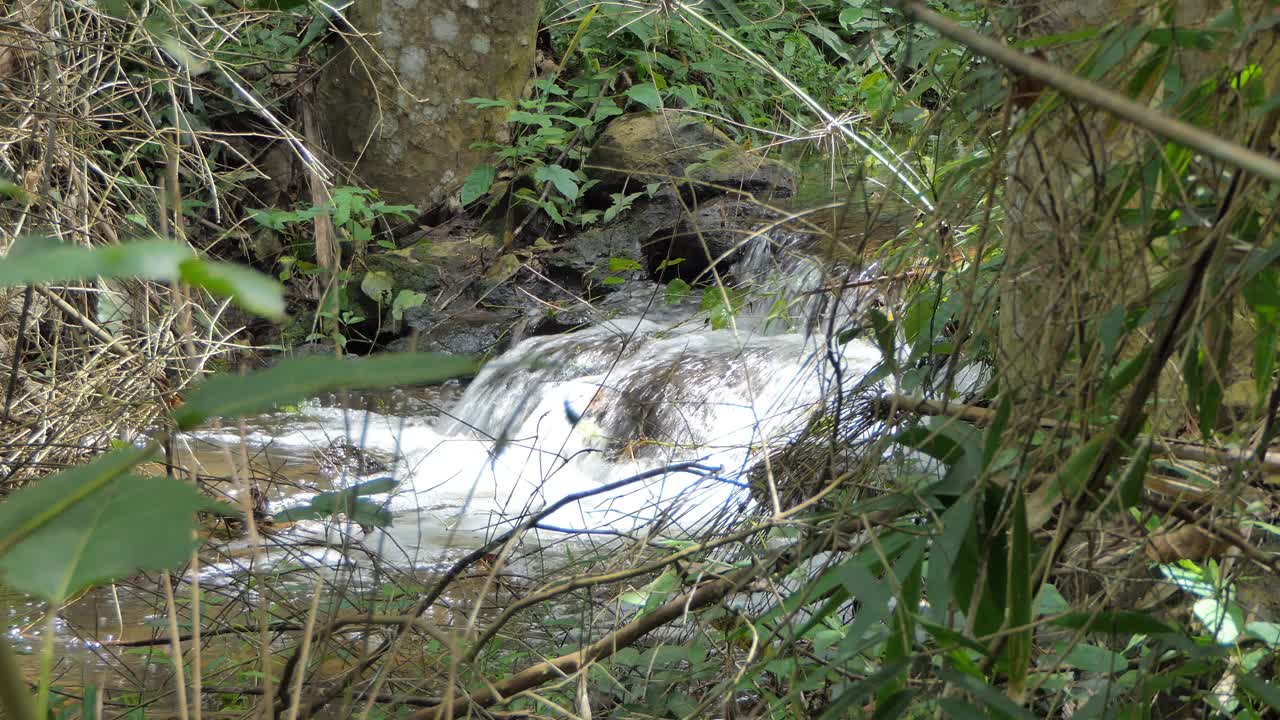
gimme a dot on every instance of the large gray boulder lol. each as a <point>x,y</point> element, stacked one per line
<point>395,99</point>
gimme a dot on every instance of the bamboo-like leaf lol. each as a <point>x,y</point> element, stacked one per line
<point>1019,596</point>
<point>42,261</point>
<point>298,378</point>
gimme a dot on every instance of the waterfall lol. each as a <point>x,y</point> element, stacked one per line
<point>560,414</point>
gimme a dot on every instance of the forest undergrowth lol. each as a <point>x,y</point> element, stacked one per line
<point>1052,496</point>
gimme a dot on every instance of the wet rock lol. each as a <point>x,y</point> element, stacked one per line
<point>672,147</point>
<point>342,458</point>
<point>718,232</point>
<point>587,259</point>
<point>473,331</point>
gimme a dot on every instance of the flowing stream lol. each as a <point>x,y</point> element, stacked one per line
<point>649,386</point>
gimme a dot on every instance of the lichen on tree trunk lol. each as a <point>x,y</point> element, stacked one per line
<point>394,100</point>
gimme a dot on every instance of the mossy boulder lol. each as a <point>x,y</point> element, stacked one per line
<point>394,101</point>
<point>677,148</point>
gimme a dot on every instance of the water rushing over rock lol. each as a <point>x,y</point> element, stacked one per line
<point>569,413</point>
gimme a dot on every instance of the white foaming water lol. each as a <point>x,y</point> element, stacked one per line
<point>564,414</point>
<point>648,396</point>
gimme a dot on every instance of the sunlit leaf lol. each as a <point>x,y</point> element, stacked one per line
<point>677,291</point>
<point>42,261</point>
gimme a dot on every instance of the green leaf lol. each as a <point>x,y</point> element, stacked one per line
<point>1263,690</point>
<point>348,502</point>
<point>1049,601</point>
<point>117,528</point>
<point>620,264</point>
<point>996,431</point>
<point>1075,473</point>
<point>564,180</point>
<point>405,300</point>
<point>1135,475</point>
<point>1019,595</point>
<point>1092,658</point>
<point>14,191</point>
<point>250,289</point>
<point>377,285</point>
<point>478,183</point>
<point>42,261</point>
<point>297,378</point>
<point>677,291</point>
<point>944,553</point>
<point>24,513</point>
<point>646,94</point>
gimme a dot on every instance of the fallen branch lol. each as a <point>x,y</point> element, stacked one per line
<point>704,595</point>
<point>694,466</point>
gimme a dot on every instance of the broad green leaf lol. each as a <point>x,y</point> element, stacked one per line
<point>123,526</point>
<point>1267,632</point>
<point>377,286</point>
<point>27,510</point>
<point>1049,601</point>
<point>677,291</point>
<point>1092,658</point>
<point>944,553</point>
<point>1223,622</point>
<point>1075,473</point>
<point>564,180</point>
<point>298,378</point>
<point>43,261</point>
<point>347,502</point>
<point>13,191</point>
<point>646,94</point>
<point>405,300</point>
<point>621,264</point>
<point>478,183</point>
